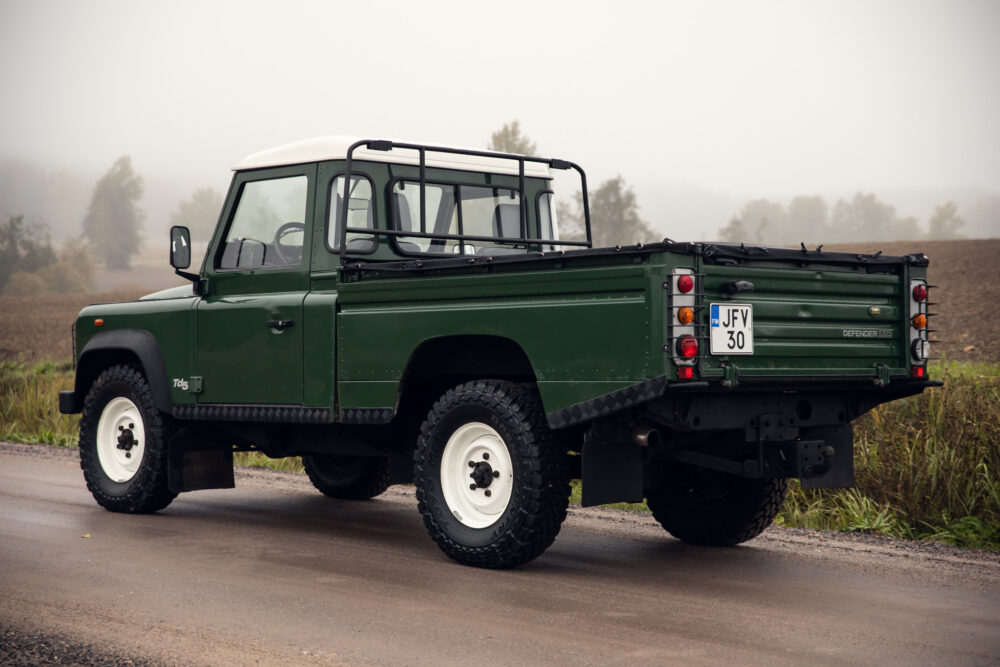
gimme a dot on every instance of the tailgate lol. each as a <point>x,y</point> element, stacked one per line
<point>811,323</point>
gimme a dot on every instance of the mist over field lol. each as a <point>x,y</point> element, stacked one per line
<point>719,116</point>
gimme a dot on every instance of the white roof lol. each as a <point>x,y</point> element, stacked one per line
<point>319,149</point>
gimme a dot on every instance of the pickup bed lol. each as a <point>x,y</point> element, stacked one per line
<point>437,329</point>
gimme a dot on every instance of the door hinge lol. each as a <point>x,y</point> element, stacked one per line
<point>196,384</point>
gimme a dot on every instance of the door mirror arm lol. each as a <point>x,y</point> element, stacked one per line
<point>180,258</point>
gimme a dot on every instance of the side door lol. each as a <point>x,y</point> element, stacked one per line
<point>250,324</point>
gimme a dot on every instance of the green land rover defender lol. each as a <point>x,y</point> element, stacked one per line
<point>395,312</point>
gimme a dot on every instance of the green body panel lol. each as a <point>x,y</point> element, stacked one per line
<point>170,321</point>
<point>319,321</point>
<point>586,331</point>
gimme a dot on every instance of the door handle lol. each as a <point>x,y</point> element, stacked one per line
<point>280,325</point>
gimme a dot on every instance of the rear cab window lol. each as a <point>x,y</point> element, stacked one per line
<point>459,218</point>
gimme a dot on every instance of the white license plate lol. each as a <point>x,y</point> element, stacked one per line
<point>731,328</point>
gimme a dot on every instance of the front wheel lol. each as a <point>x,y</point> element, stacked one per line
<point>492,484</point>
<point>713,508</point>
<point>123,444</point>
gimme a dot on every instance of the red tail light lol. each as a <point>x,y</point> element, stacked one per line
<point>685,283</point>
<point>919,292</point>
<point>685,372</point>
<point>918,371</point>
<point>687,347</point>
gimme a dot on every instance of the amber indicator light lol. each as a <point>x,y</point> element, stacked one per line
<point>99,322</point>
<point>919,321</point>
<point>685,315</point>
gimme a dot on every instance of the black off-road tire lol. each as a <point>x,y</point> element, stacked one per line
<point>348,477</point>
<point>538,485</point>
<point>713,508</point>
<point>148,489</point>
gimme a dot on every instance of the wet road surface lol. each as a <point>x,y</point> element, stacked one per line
<point>272,572</point>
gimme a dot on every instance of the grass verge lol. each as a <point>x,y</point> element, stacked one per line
<point>927,467</point>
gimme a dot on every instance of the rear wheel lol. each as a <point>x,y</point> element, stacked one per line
<point>713,508</point>
<point>348,477</point>
<point>492,484</point>
<point>123,443</point>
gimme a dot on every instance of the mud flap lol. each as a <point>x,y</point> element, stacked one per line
<point>193,465</point>
<point>612,472</point>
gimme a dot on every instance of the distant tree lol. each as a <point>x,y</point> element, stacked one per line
<point>113,224</point>
<point>614,216</point>
<point>23,247</point>
<point>199,214</point>
<point>509,139</point>
<point>983,217</point>
<point>945,222</point>
<point>808,218</point>
<point>735,231</point>
<point>864,218</point>
<point>759,221</point>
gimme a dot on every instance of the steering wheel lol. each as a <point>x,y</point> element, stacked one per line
<point>287,252</point>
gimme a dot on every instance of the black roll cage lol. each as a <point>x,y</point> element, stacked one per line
<point>384,145</point>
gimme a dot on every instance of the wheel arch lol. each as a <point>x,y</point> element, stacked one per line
<point>124,346</point>
<point>440,363</point>
<point>446,361</point>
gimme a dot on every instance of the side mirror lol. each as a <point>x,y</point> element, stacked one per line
<point>180,247</point>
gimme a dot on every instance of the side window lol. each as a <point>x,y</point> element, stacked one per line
<point>360,214</point>
<point>268,227</point>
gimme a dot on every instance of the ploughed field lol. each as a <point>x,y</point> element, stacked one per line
<point>966,272</point>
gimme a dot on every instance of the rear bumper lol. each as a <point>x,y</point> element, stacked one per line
<point>710,405</point>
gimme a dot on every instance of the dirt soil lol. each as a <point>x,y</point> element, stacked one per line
<point>36,328</point>
<point>966,272</point>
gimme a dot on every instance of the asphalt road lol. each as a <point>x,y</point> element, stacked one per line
<point>272,572</point>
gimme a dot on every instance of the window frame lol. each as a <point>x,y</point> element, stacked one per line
<point>538,217</point>
<point>331,212</point>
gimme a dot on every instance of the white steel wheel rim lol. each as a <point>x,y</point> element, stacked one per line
<point>120,463</point>
<point>479,444</point>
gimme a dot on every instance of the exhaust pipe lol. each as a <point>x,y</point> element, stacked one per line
<point>646,437</point>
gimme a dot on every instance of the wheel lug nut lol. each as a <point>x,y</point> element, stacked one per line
<point>496,473</point>
<point>472,464</point>
<point>486,456</point>
<point>131,425</point>
<point>472,487</point>
<point>488,493</point>
<point>121,428</point>
<point>128,455</point>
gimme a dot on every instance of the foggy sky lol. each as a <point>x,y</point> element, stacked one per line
<point>730,99</point>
